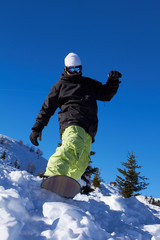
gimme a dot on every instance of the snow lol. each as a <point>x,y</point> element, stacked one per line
<point>29,212</point>
<point>24,155</point>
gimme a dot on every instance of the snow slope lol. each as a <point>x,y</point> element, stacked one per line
<point>24,155</point>
<point>29,212</point>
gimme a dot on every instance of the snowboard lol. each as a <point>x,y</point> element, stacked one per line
<point>62,185</point>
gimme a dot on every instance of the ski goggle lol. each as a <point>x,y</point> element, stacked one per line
<point>77,69</point>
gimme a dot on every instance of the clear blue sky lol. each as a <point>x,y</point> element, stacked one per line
<point>36,35</point>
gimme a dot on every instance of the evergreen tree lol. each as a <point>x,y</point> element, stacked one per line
<point>3,155</point>
<point>154,202</point>
<point>97,179</point>
<point>16,164</point>
<point>87,177</point>
<point>31,168</point>
<point>39,153</point>
<point>158,203</point>
<point>20,142</point>
<point>2,140</point>
<point>132,183</point>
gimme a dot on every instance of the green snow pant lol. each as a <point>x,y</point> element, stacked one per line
<point>72,157</point>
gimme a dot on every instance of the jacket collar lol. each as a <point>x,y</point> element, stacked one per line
<point>64,76</point>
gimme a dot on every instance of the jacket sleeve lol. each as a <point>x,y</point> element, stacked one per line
<point>48,108</point>
<point>105,92</point>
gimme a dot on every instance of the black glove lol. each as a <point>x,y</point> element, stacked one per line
<point>34,136</point>
<point>114,75</point>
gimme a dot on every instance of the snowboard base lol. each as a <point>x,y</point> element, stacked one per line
<point>62,185</point>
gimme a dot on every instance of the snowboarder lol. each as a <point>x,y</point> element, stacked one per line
<point>76,96</point>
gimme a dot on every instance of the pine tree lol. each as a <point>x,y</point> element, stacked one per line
<point>87,177</point>
<point>97,179</point>
<point>31,168</point>
<point>158,203</point>
<point>132,183</point>
<point>39,153</point>
<point>20,142</point>
<point>16,164</point>
<point>3,155</point>
<point>154,202</point>
<point>2,140</point>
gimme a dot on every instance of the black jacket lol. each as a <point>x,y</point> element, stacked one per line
<point>77,99</point>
